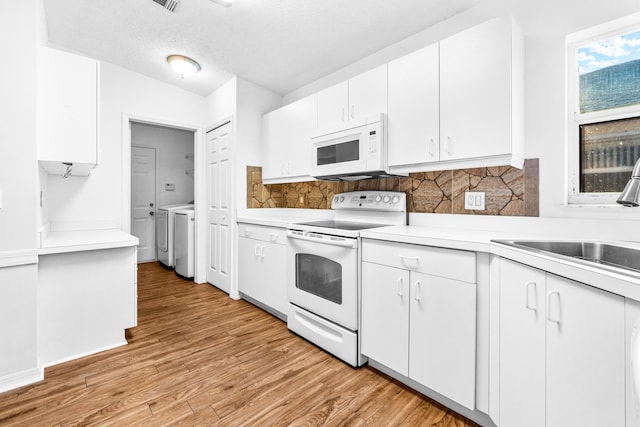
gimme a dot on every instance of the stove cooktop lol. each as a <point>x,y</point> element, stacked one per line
<point>342,225</point>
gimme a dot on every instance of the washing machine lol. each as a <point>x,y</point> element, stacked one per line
<point>184,242</point>
<point>164,233</point>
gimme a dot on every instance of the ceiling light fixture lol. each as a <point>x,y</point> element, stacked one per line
<point>224,3</point>
<point>183,65</point>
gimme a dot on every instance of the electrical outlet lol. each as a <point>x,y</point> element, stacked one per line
<point>474,200</point>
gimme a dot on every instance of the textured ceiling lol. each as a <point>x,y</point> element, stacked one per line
<point>278,44</point>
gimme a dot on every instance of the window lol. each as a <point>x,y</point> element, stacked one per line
<point>604,111</point>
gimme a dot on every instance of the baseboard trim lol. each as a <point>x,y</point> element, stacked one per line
<point>110,346</point>
<point>19,379</point>
<point>21,257</point>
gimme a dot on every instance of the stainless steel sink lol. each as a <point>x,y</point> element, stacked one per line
<point>604,255</point>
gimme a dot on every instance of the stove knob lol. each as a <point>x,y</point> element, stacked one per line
<point>378,198</point>
<point>395,199</point>
<point>341,199</point>
<point>385,199</point>
<point>335,199</point>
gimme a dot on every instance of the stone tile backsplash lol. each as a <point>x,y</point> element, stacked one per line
<point>508,190</point>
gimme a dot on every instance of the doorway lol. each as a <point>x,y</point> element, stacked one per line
<point>169,182</point>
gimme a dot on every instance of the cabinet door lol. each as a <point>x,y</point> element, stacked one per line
<point>585,355</point>
<point>368,93</point>
<point>262,272</point>
<point>67,107</point>
<point>442,349</point>
<point>385,315</point>
<point>522,345</point>
<point>333,104</point>
<point>475,91</point>
<point>414,108</point>
<point>287,139</point>
<point>302,120</point>
<point>274,133</point>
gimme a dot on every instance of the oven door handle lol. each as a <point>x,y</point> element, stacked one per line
<point>345,243</point>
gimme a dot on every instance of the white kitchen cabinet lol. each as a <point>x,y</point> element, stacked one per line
<point>385,315</point>
<point>67,112</point>
<point>414,108</point>
<point>562,351</point>
<point>262,260</point>
<point>522,345</point>
<point>482,95</point>
<point>286,145</point>
<point>361,96</point>
<point>419,315</point>
<point>86,301</point>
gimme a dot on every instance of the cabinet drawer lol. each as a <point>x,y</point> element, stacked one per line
<point>450,263</point>
<point>263,233</point>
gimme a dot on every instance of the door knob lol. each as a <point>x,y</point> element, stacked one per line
<point>151,204</point>
<point>151,213</point>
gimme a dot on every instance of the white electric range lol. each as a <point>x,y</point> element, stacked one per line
<point>323,269</point>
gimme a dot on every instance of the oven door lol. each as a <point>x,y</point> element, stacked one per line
<point>322,276</point>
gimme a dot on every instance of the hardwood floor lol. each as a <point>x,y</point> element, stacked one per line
<point>199,358</point>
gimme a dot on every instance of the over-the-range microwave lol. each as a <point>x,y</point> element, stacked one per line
<point>351,151</point>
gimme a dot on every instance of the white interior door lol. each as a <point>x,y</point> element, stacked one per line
<point>218,206</point>
<point>143,201</point>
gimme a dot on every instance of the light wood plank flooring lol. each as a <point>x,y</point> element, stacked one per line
<point>199,358</point>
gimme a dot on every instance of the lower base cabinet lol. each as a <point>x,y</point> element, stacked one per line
<point>86,300</point>
<point>562,351</point>
<point>262,260</point>
<point>421,325</point>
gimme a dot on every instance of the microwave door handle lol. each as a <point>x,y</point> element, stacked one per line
<point>346,243</point>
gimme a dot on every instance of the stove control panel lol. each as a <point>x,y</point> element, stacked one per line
<point>371,200</point>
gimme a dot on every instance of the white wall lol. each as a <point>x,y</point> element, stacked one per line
<point>98,201</point>
<point>252,103</point>
<point>221,104</point>
<point>545,24</point>
<point>244,103</point>
<point>19,36</point>
<point>174,158</point>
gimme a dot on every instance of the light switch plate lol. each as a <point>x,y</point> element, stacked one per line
<point>474,200</point>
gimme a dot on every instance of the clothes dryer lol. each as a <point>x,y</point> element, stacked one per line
<point>184,242</point>
<point>165,233</point>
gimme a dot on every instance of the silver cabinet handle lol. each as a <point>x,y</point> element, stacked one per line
<point>256,251</point>
<point>342,115</point>
<point>262,252</point>
<point>549,309</point>
<point>417,291</point>
<point>449,144</point>
<point>431,147</point>
<point>400,286</point>
<point>353,111</point>
<point>527,287</point>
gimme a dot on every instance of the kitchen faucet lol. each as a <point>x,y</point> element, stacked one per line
<point>630,196</point>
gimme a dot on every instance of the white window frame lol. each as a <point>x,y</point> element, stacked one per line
<point>575,41</point>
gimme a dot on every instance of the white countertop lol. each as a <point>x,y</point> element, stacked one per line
<point>275,217</point>
<point>57,242</point>
<point>627,285</point>
<point>480,240</point>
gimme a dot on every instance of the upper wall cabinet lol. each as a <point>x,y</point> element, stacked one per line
<point>67,120</point>
<point>361,96</point>
<point>286,142</point>
<point>482,94</point>
<point>459,103</point>
<point>414,103</point>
